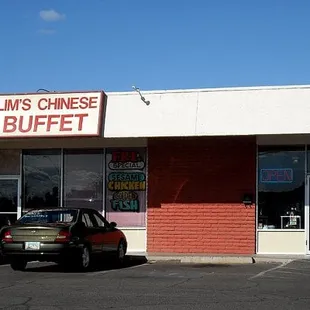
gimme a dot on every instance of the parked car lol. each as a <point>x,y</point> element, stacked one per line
<point>70,237</point>
<point>4,221</point>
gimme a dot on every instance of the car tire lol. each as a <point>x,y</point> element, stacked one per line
<point>121,253</point>
<point>84,259</point>
<point>18,265</point>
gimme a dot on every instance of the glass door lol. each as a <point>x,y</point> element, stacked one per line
<point>10,209</point>
<point>307,215</point>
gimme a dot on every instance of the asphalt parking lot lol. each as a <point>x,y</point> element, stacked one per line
<point>158,286</point>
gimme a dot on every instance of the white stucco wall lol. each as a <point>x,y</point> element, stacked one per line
<point>207,112</point>
<point>281,242</point>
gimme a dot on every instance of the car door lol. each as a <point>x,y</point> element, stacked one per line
<point>93,236</point>
<point>109,237</point>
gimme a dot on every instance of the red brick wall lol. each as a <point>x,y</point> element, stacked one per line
<point>195,191</point>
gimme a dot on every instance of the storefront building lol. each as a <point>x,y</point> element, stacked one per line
<point>207,171</point>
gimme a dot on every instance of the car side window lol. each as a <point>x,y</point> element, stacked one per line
<point>86,220</point>
<point>100,222</point>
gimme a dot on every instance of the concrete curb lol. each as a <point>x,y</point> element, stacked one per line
<point>225,260</point>
<point>228,260</point>
<point>218,260</point>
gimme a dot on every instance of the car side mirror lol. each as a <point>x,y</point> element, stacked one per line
<point>113,224</point>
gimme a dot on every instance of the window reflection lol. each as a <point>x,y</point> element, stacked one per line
<point>41,178</point>
<point>281,188</point>
<point>7,219</point>
<point>8,195</point>
<point>83,179</point>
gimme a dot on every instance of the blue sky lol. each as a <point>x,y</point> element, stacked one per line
<point>163,44</point>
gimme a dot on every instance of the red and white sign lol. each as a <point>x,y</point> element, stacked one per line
<point>51,115</point>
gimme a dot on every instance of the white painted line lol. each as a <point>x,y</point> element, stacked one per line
<point>277,277</point>
<point>115,270</point>
<point>6,265</point>
<point>136,266</point>
<point>271,269</point>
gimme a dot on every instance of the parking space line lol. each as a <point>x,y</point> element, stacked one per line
<point>115,270</point>
<point>270,270</point>
<point>7,265</point>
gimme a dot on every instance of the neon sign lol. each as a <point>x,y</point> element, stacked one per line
<point>284,175</point>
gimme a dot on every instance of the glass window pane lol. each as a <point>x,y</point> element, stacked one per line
<point>7,219</point>
<point>126,187</point>
<point>49,216</point>
<point>308,159</point>
<point>8,195</point>
<point>281,189</point>
<point>41,179</point>
<point>87,221</point>
<point>83,179</point>
<point>99,222</point>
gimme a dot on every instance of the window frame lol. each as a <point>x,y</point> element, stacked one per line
<point>285,148</point>
<point>61,194</point>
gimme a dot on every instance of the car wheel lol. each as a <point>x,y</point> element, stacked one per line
<point>121,253</point>
<point>18,265</point>
<point>84,259</point>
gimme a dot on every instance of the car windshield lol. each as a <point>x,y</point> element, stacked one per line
<point>48,216</point>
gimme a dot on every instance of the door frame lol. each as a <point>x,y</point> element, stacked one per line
<point>19,206</point>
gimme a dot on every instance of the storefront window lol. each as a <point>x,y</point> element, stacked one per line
<point>308,159</point>
<point>41,179</point>
<point>83,179</point>
<point>126,186</point>
<point>281,188</point>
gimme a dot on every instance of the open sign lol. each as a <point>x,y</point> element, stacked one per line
<point>284,175</point>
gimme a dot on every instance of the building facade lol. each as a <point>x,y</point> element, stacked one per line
<point>207,171</point>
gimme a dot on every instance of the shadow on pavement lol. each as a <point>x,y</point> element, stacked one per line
<point>2,260</point>
<point>104,265</point>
